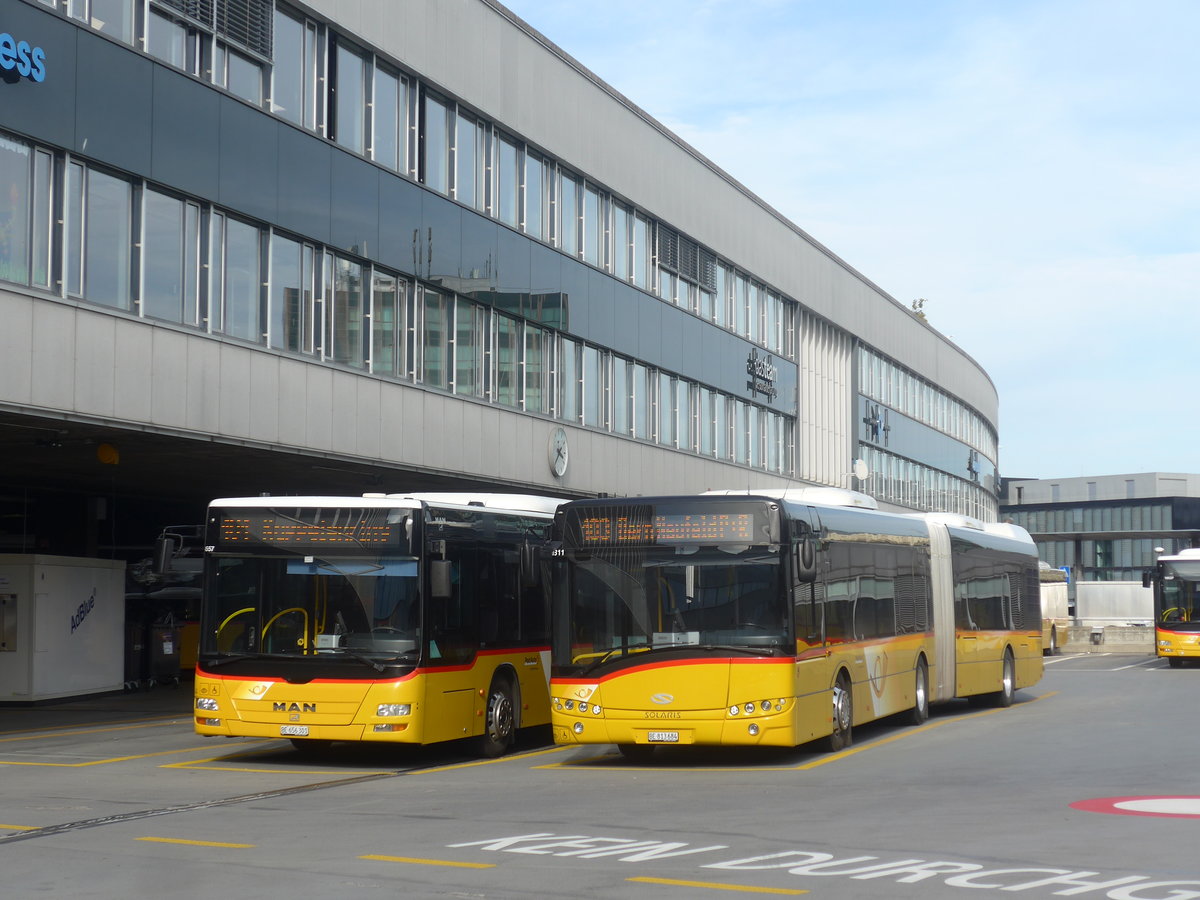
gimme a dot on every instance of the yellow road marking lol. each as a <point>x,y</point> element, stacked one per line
<point>20,827</point>
<point>429,862</point>
<point>163,840</point>
<point>201,765</point>
<point>100,762</point>
<point>488,762</point>
<point>72,730</point>
<point>824,760</point>
<point>717,886</point>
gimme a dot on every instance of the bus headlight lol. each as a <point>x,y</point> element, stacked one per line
<point>734,710</point>
<point>595,709</point>
<point>749,708</point>
<point>207,703</point>
<point>578,727</point>
<point>385,710</point>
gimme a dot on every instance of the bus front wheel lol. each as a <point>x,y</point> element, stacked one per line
<point>499,720</point>
<point>1174,662</point>
<point>843,716</point>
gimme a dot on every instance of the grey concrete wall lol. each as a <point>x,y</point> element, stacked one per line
<point>71,360</point>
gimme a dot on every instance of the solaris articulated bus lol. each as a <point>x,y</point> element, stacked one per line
<point>1176,606</point>
<point>774,619</point>
<point>411,619</point>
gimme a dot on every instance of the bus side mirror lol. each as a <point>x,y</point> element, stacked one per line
<point>531,564</point>
<point>804,559</point>
<point>164,552</point>
<point>440,586</point>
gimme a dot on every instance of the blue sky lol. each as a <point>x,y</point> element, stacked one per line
<point>1030,169</point>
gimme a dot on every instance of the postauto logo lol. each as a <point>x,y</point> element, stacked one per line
<point>18,56</point>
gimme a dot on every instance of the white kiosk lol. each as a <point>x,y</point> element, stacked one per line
<point>62,627</point>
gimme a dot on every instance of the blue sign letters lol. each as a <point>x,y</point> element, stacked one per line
<point>29,62</point>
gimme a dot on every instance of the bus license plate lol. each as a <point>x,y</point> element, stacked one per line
<point>294,730</point>
<point>663,737</point>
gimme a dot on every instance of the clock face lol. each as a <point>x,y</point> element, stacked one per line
<point>558,451</point>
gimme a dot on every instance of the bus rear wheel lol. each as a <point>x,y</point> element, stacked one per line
<point>1008,683</point>
<point>919,714</point>
<point>500,722</point>
<point>843,716</point>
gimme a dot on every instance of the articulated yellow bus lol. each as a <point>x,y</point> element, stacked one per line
<point>410,619</point>
<point>1176,606</point>
<point>774,620</point>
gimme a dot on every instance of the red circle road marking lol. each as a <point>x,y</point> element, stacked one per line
<point>1168,806</point>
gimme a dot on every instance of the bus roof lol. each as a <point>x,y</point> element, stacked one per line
<point>814,494</point>
<point>522,503</point>
<point>1184,565</point>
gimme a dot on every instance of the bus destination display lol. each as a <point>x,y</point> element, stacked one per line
<point>348,529</point>
<point>664,528</point>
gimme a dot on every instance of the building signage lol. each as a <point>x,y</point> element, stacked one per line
<point>19,58</point>
<point>763,374</point>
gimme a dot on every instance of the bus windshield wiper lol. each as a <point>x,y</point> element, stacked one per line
<point>363,658</point>
<point>749,651</point>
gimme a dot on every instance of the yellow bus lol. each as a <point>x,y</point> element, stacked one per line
<point>1056,613</point>
<point>775,619</point>
<point>396,618</point>
<point>1176,606</point>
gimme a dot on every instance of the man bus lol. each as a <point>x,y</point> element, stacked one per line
<point>407,619</point>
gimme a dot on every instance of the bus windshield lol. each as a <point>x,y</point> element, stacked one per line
<point>626,601</point>
<point>1180,605</point>
<point>353,606</point>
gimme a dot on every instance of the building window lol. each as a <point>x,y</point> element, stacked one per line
<point>593,387</point>
<point>238,73</point>
<point>172,41</point>
<point>508,182</point>
<point>470,344</point>
<point>435,144</point>
<point>435,340</point>
<point>387,324</point>
<point>347,313</point>
<point>111,17</point>
<point>568,214</point>
<point>621,398</point>
<point>621,220</point>
<point>349,101</point>
<point>507,361</point>
<point>235,281</point>
<point>290,300</point>
<point>568,380</point>
<point>389,120</point>
<point>535,196</point>
<point>593,226</point>
<point>16,167</point>
<point>170,258</point>
<point>538,368</point>
<point>294,75</point>
<point>469,155</point>
<point>101,220</point>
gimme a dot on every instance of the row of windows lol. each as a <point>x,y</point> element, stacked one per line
<point>1133,554</point>
<point>897,480</point>
<point>1137,517</point>
<point>131,246</point>
<point>321,81</point>
<point>882,380</point>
